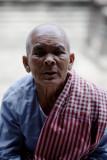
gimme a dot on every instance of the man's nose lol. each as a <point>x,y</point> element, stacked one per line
<point>49,59</point>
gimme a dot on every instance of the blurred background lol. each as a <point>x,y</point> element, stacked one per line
<point>85,21</point>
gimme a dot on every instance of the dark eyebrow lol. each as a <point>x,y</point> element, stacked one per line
<point>38,47</point>
<point>59,47</point>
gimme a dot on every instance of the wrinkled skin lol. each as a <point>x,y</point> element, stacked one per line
<point>48,60</point>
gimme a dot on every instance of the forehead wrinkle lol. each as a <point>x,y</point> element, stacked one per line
<point>47,41</point>
<point>44,38</point>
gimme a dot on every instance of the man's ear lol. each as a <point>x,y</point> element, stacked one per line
<point>25,63</point>
<point>72,58</point>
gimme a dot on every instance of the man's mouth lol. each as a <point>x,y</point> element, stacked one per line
<point>50,73</point>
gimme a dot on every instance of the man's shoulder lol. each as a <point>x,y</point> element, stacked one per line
<point>20,87</point>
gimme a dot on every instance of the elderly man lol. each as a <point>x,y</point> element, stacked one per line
<point>52,114</point>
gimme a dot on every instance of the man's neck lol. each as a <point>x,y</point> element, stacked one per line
<point>47,97</point>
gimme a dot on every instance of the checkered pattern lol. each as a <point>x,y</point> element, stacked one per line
<point>77,123</point>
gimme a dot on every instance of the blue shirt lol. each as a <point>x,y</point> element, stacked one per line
<point>21,121</point>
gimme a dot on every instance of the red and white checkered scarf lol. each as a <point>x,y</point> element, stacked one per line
<point>76,124</point>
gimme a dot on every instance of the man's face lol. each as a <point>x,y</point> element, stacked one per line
<point>48,59</point>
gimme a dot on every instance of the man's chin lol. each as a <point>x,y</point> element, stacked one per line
<point>51,82</point>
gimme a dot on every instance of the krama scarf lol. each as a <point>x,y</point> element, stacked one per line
<point>76,124</point>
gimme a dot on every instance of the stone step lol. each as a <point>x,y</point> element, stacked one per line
<point>18,20</point>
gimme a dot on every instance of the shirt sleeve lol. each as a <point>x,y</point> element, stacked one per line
<point>101,151</point>
<point>10,133</point>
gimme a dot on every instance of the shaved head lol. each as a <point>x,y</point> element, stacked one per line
<point>46,30</point>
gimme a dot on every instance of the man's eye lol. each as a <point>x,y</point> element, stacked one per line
<point>58,52</point>
<point>38,53</point>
